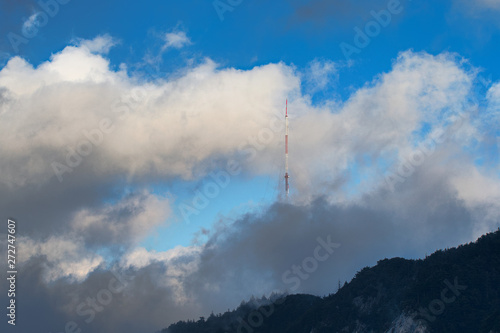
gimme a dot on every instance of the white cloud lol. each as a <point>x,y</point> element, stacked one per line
<point>140,257</point>
<point>74,65</point>
<point>179,263</point>
<point>176,40</point>
<point>159,127</point>
<point>378,121</point>
<point>66,256</point>
<point>130,219</point>
<point>319,74</point>
<point>100,44</point>
<point>477,189</point>
<point>493,97</point>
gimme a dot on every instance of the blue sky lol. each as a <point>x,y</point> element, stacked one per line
<point>394,141</point>
<point>255,33</point>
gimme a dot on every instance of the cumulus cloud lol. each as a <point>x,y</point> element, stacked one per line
<point>158,127</point>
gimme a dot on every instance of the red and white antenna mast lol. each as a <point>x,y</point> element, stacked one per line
<point>287,187</point>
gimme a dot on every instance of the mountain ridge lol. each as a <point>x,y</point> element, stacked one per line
<point>452,290</point>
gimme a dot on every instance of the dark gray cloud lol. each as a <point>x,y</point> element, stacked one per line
<point>84,203</point>
<point>45,210</point>
<point>258,248</point>
<point>132,302</point>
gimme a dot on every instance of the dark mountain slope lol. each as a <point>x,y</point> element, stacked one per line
<point>454,290</point>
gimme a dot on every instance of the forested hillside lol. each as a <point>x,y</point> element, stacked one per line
<point>453,290</point>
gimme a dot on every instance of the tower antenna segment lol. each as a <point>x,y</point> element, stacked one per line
<point>287,186</point>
